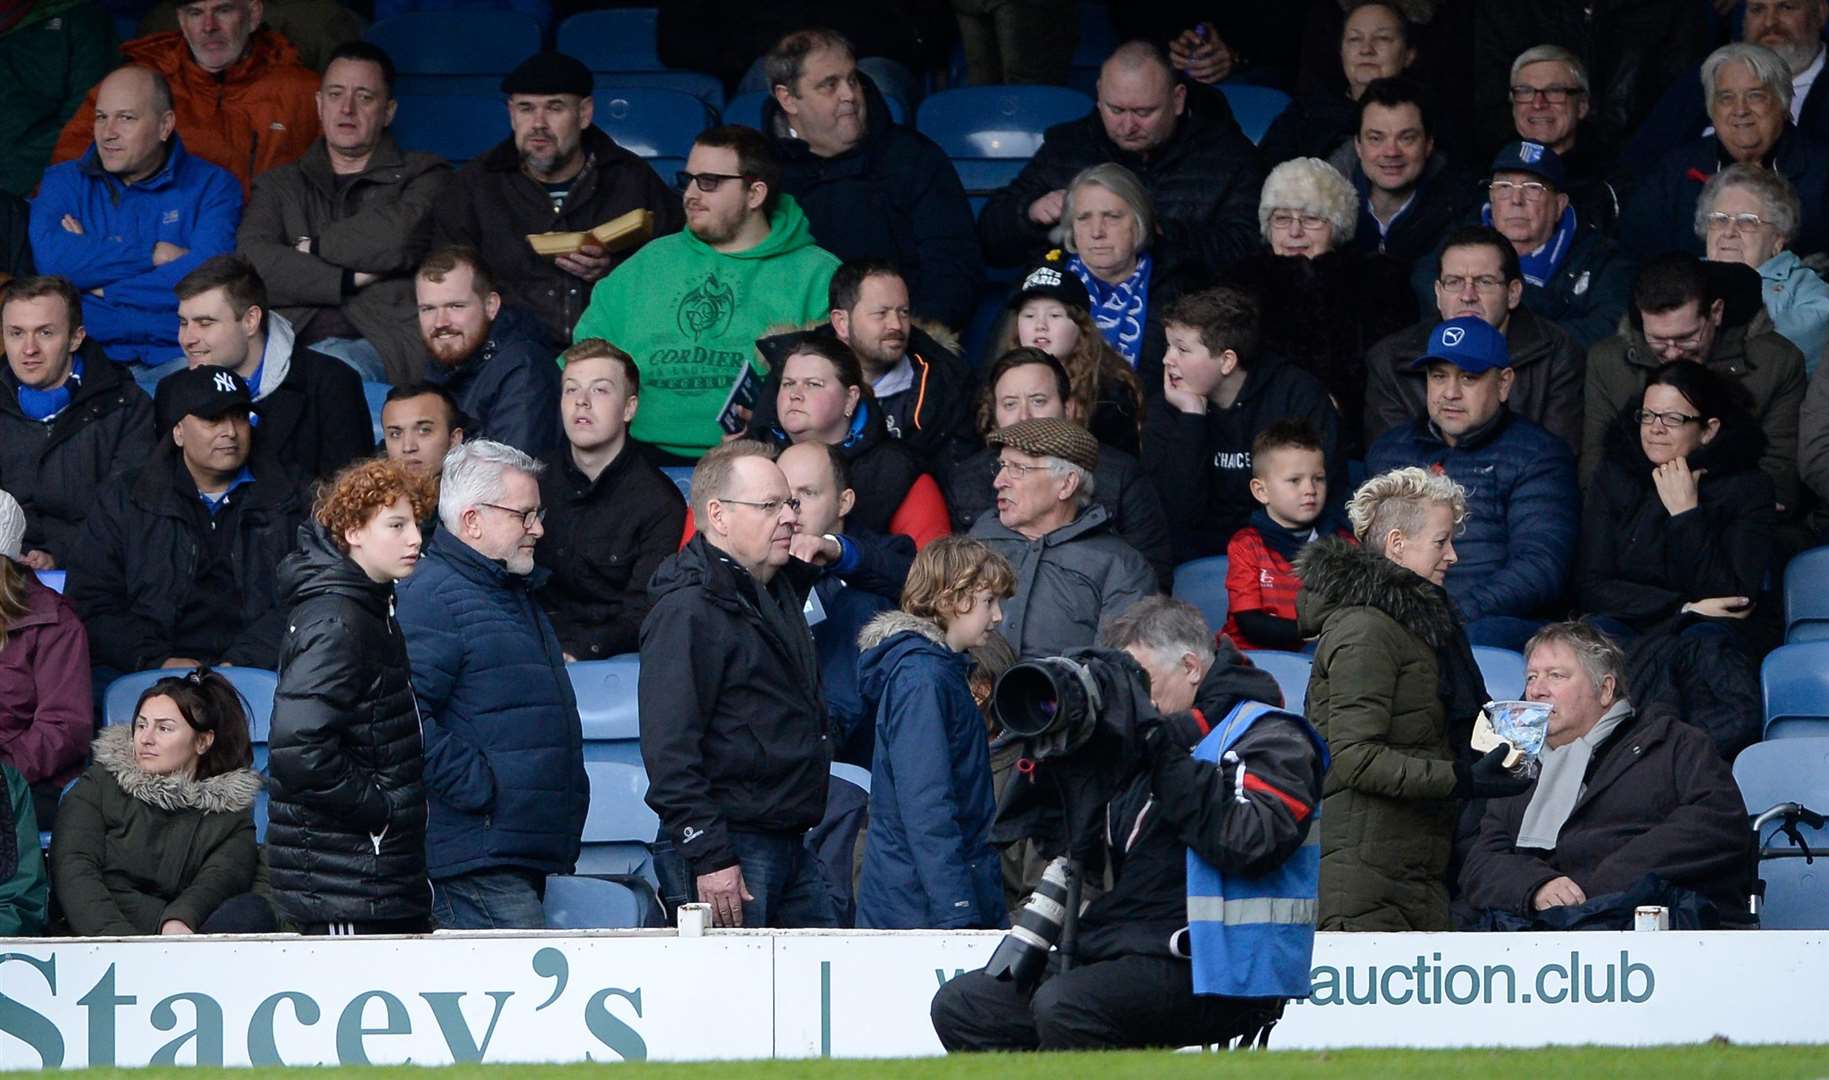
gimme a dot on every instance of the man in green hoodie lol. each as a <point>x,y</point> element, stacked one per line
<point>690,306</point>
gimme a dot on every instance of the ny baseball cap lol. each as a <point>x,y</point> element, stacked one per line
<point>1531,157</point>
<point>1469,343</point>
<point>205,391</point>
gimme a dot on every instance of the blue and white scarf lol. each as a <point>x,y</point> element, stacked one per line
<point>1541,265</point>
<point>1122,310</point>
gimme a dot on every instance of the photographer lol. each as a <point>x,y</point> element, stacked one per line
<point>1242,819</point>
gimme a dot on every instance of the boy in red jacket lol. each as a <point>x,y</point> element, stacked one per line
<point>1289,481</point>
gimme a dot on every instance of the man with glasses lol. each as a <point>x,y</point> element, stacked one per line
<point>1550,103</point>
<point>504,750</point>
<point>689,307</point>
<point>733,720</point>
<point>1706,313</point>
<point>1479,274</point>
<point>556,172</point>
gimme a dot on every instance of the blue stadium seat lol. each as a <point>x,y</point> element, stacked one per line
<point>618,826</point>
<point>1807,596</point>
<point>1796,894</point>
<point>1202,582</point>
<point>456,52</point>
<point>681,475</point>
<point>456,127</point>
<point>1503,671</point>
<point>52,580</point>
<point>991,132</point>
<point>584,903</point>
<point>1790,770</point>
<point>256,685</point>
<point>1796,682</point>
<point>1290,670</point>
<point>1254,107</point>
<point>376,393</point>
<point>1098,38</point>
<point>656,124</point>
<point>614,40</point>
<point>606,691</point>
<point>706,88</point>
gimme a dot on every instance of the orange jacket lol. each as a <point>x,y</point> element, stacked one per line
<point>258,114</point>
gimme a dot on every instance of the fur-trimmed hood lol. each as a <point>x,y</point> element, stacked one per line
<point>890,623</point>
<point>230,793</point>
<point>896,638</point>
<point>1337,574</point>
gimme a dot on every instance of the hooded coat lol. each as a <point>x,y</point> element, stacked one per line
<point>1068,583</point>
<point>347,819</point>
<point>508,388</point>
<point>46,712</point>
<point>133,849</point>
<point>313,416</point>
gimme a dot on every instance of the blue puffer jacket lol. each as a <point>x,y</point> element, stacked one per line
<point>928,861</point>
<point>1523,509</point>
<point>504,770</point>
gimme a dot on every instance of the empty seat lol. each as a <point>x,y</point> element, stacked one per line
<point>1793,770</point>
<point>52,580</point>
<point>706,88</point>
<point>1254,107</point>
<point>1807,596</point>
<point>1202,582</point>
<point>376,393</point>
<point>656,124</point>
<point>606,692</point>
<point>1796,683</point>
<point>584,903</point>
<point>457,52</point>
<point>614,40</point>
<point>456,127</point>
<point>1290,670</point>
<point>1503,671</point>
<point>991,132</point>
<point>681,475</point>
<point>618,825</point>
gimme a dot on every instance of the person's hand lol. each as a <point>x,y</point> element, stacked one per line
<point>589,262</point>
<point>1720,607</point>
<point>1047,209</point>
<point>180,661</point>
<point>71,225</point>
<point>1677,486</point>
<point>1488,778</point>
<point>725,891</point>
<point>175,926</point>
<point>362,279</point>
<point>1182,399</point>
<point>1560,892</point>
<point>164,251</point>
<point>743,416</point>
<point>814,548</point>
<point>1201,54</point>
<point>39,560</point>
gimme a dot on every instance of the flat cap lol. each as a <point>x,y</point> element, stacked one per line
<point>549,73</point>
<point>1050,437</point>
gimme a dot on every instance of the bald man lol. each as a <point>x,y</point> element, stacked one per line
<point>1181,142</point>
<point>131,217</point>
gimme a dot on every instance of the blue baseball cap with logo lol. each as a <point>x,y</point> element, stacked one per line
<point>1531,157</point>
<point>1469,343</point>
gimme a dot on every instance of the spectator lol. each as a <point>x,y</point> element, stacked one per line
<point>1219,392</point>
<point>25,894</point>
<point>1073,573</point>
<point>1030,41</point>
<point>72,419</point>
<point>504,749</point>
<point>131,218</point>
<point>1684,309</point>
<point>1622,794</point>
<point>1409,194</point>
<point>1679,519</point>
<point>338,233</point>
<point>1322,301</point>
<point>180,782</point>
<point>419,426</point>
<point>1374,44</point>
<point>611,516</point>
<point>928,861</point>
<point>15,236</point>
<point>822,399</point>
<point>1197,166</point>
<point>1521,497</point>
<point>1028,384</point>
<point>46,712</point>
<point>53,53</point>
<point>494,359</point>
<point>689,307</point>
<point>1393,690</point>
<point>313,413</point>
<point>557,172</point>
<point>871,188</point>
<point>241,98</point>
<point>1550,101</point>
<point>1749,90</point>
<point>734,731</point>
<point>1481,277</point>
<point>175,564</point>
<point>1746,214</point>
<point>314,27</point>
<point>347,842</point>
<point>1289,482</point>
<point>1052,311</point>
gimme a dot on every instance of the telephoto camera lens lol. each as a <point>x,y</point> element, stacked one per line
<point>1023,952</point>
<point>1052,702</point>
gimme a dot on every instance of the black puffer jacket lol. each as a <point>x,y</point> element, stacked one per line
<point>346,833</point>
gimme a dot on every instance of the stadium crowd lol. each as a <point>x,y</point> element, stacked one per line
<point>1507,332</point>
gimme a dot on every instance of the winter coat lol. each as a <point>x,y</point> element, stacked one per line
<point>51,57</point>
<point>1681,116</point>
<point>1205,459</point>
<point>1593,182</point>
<point>1657,799</point>
<point>259,113</point>
<point>894,495</point>
<point>492,206</point>
<point>314,27</point>
<point>1813,444</point>
<point>1546,387</point>
<point>865,582</point>
<point>144,545</point>
<point>55,468</point>
<point>1312,125</point>
<point>46,712</point>
<point>928,859</point>
<point>604,539</point>
<point>188,202</point>
<point>346,838</point>
<point>313,415</point>
<point>894,196</point>
<point>1661,214</point>
<point>1204,182</point>
<point>25,892</point>
<point>1797,299</point>
<point>1639,564</point>
<point>509,388</point>
<point>690,316</point>
<point>132,849</point>
<point>15,234</point>
<point>1444,195</point>
<point>1523,510</point>
<point>504,748</point>
<point>1708,681</point>
<point>1388,815</point>
<point>1068,583</point>
<point>378,221</point>
<point>734,732</point>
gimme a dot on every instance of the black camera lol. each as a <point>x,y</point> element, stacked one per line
<point>1023,952</point>
<point>1052,703</point>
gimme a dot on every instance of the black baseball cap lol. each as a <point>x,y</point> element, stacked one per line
<point>1051,278</point>
<point>205,391</point>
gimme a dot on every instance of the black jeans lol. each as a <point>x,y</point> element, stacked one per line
<point>1130,1001</point>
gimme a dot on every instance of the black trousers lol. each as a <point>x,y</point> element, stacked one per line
<point>1130,1001</point>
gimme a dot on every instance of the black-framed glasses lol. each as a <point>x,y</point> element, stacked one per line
<point>529,518</point>
<point>1503,190</point>
<point>1555,95</point>
<point>769,507</point>
<point>708,182</point>
<point>1671,420</point>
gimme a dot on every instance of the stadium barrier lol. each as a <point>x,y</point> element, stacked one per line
<point>634,995</point>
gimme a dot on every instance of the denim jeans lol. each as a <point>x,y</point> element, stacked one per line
<point>783,875</point>
<point>364,359</point>
<point>148,375</point>
<point>508,899</point>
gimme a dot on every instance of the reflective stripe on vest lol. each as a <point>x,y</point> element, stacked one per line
<point>1260,909</point>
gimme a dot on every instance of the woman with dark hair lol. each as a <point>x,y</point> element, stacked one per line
<point>157,837</point>
<point>1679,518</point>
<point>1374,44</point>
<point>1052,311</point>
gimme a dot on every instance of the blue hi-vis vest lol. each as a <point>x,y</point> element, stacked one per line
<point>1254,936</point>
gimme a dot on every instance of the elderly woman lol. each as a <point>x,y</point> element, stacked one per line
<point>1051,310</point>
<point>1748,215</point>
<point>1748,89</point>
<point>1394,690</point>
<point>1324,302</point>
<point>1375,43</point>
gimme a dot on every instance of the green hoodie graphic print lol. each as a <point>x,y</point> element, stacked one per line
<point>690,316</point>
